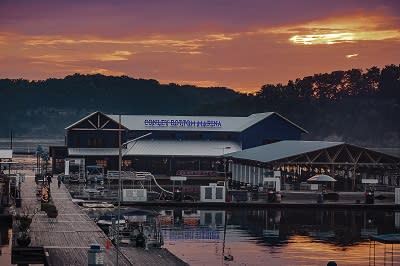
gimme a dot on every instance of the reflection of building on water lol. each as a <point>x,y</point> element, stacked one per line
<point>212,218</point>
<point>397,220</point>
<point>192,224</point>
<point>178,217</point>
<point>339,227</point>
<point>368,225</point>
<point>194,233</point>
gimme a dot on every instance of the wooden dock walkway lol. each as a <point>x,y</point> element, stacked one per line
<point>66,239</point>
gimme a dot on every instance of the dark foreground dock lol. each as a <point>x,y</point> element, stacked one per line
<point>65,240</point>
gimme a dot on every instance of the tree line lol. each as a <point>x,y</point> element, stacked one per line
<point>357,106</point>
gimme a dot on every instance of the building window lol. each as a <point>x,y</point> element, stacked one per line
<point>208,193</point>
<point>126,163</point>
<point>102,163</point>
<point>219,192</point>
<point>95,142</point>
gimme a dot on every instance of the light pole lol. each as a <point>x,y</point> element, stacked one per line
<point>120,155</point>
<point>224,160</point>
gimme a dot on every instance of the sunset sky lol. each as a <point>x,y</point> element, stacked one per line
<point>240,44</point>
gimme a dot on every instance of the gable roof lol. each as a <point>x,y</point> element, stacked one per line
<point>91,115</point>
<point>227,123</point>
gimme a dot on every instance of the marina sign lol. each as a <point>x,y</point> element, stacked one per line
<point>182,123</point>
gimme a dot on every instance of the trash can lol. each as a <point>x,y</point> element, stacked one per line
<point>95,255</point>
<point>369,197</point>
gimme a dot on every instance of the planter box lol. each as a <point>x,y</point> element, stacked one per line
<point>52,214</point>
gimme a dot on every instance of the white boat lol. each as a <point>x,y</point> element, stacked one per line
<point>98,205</point>
<point>104,222</point>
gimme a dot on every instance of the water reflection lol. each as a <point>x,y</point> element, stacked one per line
<point>275,236</point>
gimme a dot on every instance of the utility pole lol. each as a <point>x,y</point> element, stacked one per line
<point>119,184</point>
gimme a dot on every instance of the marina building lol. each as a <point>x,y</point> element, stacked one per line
<point>173,145</point>
<point>245,150</point>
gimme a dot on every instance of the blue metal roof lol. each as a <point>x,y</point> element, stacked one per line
<point>282,149</point>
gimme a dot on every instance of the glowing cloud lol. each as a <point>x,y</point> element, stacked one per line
<point>106,72</point>
<point>343,29</point>
<point>116,56</point>
<point>351,55</point>
<point>330,38</point>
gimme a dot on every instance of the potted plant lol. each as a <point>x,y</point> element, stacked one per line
<point>23,239</point>
<point>44,206</point>
<point>52,211</point>
<point>25,218</point>
<point>24,222</point>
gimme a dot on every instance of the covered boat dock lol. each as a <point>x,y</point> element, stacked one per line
<point>352,166</point>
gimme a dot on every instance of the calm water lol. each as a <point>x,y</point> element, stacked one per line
<point>29,145</point>
<point>277,236</point>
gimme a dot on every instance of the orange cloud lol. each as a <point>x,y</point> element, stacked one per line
<point>244,59</point>
<point>105,72</point>
<point>115,56</point>
<point>351,55</point>
<point>342,29</point>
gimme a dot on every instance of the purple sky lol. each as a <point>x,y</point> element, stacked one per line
<point>241,44</point>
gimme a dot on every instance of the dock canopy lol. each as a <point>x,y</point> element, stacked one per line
<point>321,179</point>
<point>315,152</point>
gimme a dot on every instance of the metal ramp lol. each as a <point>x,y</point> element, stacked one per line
<point>141,179</point>
<point>137,178</point>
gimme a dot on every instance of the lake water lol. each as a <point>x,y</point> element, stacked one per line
<point>29,145</point>
<point>278,236</point>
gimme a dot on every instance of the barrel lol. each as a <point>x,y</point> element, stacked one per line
<point>95,255</point>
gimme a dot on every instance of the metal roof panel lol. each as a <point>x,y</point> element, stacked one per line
<point>181,148</point>
<point>282,149</point>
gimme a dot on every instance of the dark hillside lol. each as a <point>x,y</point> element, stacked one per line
<point>361,107</point>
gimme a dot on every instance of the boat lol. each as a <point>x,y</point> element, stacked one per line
<point>139,228</point>
<point>106,221</point>
<point>74,178</point>
<point>97,205</point>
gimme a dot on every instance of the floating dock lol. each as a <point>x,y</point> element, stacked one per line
<point>66,240</point>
